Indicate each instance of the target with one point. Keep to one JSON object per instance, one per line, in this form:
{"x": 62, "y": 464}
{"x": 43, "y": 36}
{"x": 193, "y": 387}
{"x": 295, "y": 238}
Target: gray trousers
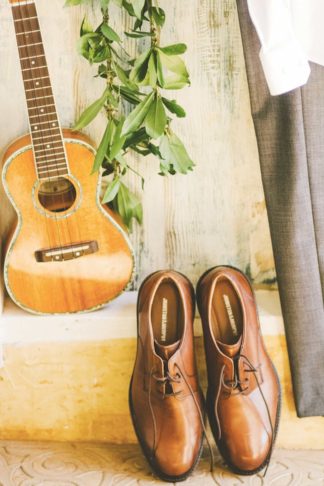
{"x": 290, "y": 136}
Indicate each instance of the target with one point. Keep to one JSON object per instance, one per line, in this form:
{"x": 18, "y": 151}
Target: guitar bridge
{"x": 66, "y": 252}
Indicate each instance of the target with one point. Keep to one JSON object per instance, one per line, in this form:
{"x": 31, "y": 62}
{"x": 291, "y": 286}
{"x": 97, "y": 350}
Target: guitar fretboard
{"x": 50, "y": 157}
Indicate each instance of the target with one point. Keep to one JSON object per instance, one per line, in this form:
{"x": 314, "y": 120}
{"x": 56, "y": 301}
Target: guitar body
{"x": 67, "y": 253}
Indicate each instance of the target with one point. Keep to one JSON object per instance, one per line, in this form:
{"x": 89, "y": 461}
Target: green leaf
{"x": 138, "y": 35}
{"x": 136, "y": 138}
{"x": 138, "y": 24}
{"x": 112, "y": 190}
{"x": 93, "y": 46}
{"x": 175, "y": 82}
{"x": 174, "y": 154}
{"x": 110, "y": 34}
{"x": 136, "y": 117}
{"x": 129, "y": 8}
{"x": 128, "y": 94}
{"x": 129, "y": 206}
{"x": 172, "y": 71}
{"x": 140, "y": 68}
{"x": 138, "y": 7}
{"x": 122, "y": 161}
{"x": 91, "y": 112}
{"x": 152, "y": 70}
{"x": 155, "y": 120}
{"x": 119, "y": 3}
{"x": 103, "y": 146}
{"x": 86, "y": 28}
{"x": 158, "y": 15}
{"x": 118, "y": 141}
{"x": 159, "y": 70}
{"x": 173, "y": 107}
{"x": 84, "y": 44}
{"x": 123, "y": 77}
{"x": 174, "y": 49}
{"x": 174, "y": 64}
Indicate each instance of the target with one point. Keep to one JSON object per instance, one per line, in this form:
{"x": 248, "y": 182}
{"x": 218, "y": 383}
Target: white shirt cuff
{"x": 285, "y": 67}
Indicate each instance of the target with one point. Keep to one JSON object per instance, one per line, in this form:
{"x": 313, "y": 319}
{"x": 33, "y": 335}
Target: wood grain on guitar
{"x": 67, "y": 253}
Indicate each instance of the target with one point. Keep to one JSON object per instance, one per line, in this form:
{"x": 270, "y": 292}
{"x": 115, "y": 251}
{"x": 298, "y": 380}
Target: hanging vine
{"x": 144, "y": 123}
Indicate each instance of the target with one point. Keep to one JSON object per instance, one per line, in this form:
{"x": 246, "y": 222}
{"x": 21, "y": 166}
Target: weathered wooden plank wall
{"x": 214, "y": 215}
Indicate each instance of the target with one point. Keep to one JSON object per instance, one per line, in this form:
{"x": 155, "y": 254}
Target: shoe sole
{"x": 145, "y": 450}
{"x": 211, "y": 418}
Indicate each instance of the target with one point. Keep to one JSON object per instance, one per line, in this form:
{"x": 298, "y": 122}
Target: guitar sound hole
{"x": 57, "y": 195}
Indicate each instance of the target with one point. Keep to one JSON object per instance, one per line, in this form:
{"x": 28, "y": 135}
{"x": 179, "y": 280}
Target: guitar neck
{"x": 46, "y": 134}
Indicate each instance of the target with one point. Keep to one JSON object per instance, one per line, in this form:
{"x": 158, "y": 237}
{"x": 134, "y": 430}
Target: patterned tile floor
{"x": 55, "y": 464}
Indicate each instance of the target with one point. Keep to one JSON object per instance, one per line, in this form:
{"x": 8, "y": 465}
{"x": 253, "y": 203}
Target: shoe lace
{"x": 240, "y": 386}
{"x": 177, "y": 378}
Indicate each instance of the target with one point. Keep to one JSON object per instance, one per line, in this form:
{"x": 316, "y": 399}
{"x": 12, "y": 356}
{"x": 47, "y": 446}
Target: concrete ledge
{"x": 66, "y": 378}
{"x": 115, "y": 321}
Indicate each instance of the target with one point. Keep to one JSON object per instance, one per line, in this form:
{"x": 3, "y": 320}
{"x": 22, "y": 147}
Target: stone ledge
{"x": 115, "y": 321}
{"x": 66, "y": 378}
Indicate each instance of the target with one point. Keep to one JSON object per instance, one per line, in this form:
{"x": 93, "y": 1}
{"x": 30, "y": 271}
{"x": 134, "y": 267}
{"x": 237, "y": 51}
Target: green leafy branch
{"x": 139, "y": 117}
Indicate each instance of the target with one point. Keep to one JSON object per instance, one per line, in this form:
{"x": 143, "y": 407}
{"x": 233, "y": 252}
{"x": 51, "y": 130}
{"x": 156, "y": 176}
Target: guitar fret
{"x": 51, "y": 165}
{"x": 28, "y": 57}
{"x": 41, "y": 107}
{"x": 28, "y": 32}
{"x": 28, "y": 40}
{"x": 39, "y": 98}
{"x": 22, "y": 19}
{"x": 36, "y": 67}
{"x": 29, "y": 45}
{"x": 43, "y": 114}
{"x": 40, "y": 87}
{"x": 54, "y": 123}
{"x": 49, "y": 148}
{"x": 48, "y": 152}
{"x": 50, "y": 159}
{"x": 48, "y": 136}
{"x": 51, "y": 170}
{"x": 43, "y": 83}
{"x": 54, "y": 150}
{"x": 51, "y": 129}
{"x": 31, "y": 50}
{"x": 35, "y": 79}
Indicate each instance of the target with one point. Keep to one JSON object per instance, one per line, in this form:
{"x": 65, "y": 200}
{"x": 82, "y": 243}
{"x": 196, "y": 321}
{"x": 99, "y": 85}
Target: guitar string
{"x": 64, "y": 221}
{"x": 15, "y": 18}
{"x": 52, "y": 151}
{"x": 25, "y": 28}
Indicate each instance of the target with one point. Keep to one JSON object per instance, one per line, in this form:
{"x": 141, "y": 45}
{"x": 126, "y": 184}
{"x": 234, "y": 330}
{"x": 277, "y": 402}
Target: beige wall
{"x": 215, "y": 215}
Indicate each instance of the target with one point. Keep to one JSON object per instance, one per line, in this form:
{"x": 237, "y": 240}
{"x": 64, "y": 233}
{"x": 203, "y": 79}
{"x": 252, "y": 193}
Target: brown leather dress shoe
{"x": 165, "y": 400}
{"x": 243, "y": 398}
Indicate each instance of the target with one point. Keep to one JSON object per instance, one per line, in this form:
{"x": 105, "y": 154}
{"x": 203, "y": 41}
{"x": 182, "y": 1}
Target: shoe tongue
{"x": 230, "y": 349}
{"x": 165, "y": 352}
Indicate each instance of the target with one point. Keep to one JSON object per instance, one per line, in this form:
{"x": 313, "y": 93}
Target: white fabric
{"x": 291, "y": 35}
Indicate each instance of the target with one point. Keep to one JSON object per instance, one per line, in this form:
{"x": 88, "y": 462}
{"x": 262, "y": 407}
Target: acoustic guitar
{"x": 66, "y": 253}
